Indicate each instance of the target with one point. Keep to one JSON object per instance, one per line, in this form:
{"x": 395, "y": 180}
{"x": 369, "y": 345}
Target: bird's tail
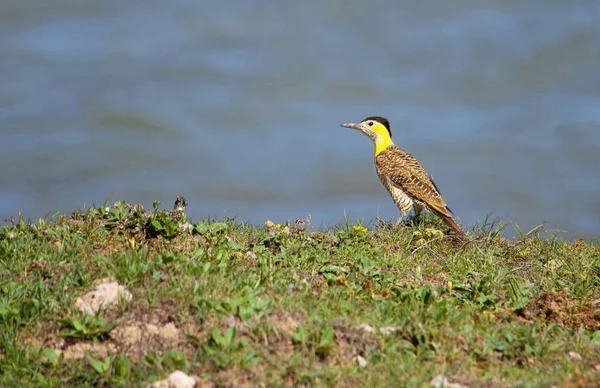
{"x": 448, "y": 220}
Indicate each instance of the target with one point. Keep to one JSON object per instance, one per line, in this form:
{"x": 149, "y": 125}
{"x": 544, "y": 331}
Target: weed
{"x": 85, "y": 327}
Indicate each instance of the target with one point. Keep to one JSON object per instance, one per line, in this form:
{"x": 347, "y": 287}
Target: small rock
{"x": 250, "y": 256}
{"x": 361, "y": 361}
{"x": 177, "y": 379}
{"x": 441, "y": 381}
{"x": 574, "y": 355}
{"x": 366, "y": 328}
{"x": 101, "y": 297}
{"x": 387, "y": 330}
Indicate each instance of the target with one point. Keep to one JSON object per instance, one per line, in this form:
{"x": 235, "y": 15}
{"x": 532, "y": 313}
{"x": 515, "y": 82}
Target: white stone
{"x": 361, "y": 361}
{"x": 574, "y": 355}
{"x": 366, "y": 328}
{"x": 101, "y": 297}
{"x": 441, "y": 381}
{"x": 177, "y": 379}
{"x": 387, "y": 330}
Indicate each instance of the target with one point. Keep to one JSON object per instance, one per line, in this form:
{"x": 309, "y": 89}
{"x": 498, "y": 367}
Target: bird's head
{"x": 377, "y": 129}
{"x": 374, "y": 127}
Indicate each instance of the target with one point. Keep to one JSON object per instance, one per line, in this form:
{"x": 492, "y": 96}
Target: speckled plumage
{"x": 409, "y": 185}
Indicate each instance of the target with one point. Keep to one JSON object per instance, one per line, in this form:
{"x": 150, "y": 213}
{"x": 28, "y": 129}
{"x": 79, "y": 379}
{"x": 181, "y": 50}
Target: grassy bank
{"x": 286, "y": 304}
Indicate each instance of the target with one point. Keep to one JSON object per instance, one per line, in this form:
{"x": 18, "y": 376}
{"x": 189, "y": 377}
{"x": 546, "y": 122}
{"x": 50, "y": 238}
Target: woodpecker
{"x": 410, "y": 186}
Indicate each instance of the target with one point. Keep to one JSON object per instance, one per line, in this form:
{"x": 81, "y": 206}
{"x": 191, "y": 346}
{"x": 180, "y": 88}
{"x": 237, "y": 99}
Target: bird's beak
{"x": 351, "y": 125}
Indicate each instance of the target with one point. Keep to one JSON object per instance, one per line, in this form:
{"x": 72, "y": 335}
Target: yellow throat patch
{"x": 383, "y": 140}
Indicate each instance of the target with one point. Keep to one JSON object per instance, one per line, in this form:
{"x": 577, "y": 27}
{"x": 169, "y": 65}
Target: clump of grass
{"x": 86, "y": 327}
{"x": 283, "y": 303}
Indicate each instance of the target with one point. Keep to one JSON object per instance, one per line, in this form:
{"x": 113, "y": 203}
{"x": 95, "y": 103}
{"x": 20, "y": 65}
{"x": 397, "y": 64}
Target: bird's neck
{"x": 382, "y": 143}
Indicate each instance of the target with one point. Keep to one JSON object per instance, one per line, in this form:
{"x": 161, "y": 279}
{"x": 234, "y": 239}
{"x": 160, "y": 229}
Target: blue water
{"x": 237, "y": 106}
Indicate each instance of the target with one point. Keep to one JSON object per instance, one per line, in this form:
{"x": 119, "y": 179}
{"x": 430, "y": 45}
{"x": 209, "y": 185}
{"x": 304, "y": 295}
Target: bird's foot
{"x": 404, "y": 222}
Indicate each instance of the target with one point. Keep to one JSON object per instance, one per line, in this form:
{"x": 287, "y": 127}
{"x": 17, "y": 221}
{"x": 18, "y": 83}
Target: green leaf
{"x": 77, "y": 325}
{"x": 245, "y": 312}
{"x": 334, "y": 269}
{"x": 520, "y": 304}
{"x": 152, "y": 360}
{"x": 327, "y": 336}
{"x": 50, "y": 355}
{"x": 596, "y": 337}
{"x": 326, "y": 343}
{"x": 218, "y": 227}
{"x": 176, "y": 359}
{"x": 122, "y": 366}
{"x": 230, "y": 336}
{"x": 201, "y": 227}
{"x": 168, "y": 258}
{"x": 330, "y": 277}
{"x": 218, "y": 339}
{"x": 156, "y": 225}
{"x": 194, "y": 339}
{"x": 233, "y": 245}
{"x": 100, "y": 366}
{"x": 220, "y": 254}
{"x": 300, "y": 336}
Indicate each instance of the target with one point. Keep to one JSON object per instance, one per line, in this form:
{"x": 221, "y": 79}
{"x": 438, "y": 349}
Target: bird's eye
{"x": 370, "y": 123}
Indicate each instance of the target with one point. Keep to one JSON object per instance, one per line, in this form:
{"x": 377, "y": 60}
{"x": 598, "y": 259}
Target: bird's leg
{"x": 418, "y": 208}
{"x": 398, "y": 221}
{"x": 402, "y": 219}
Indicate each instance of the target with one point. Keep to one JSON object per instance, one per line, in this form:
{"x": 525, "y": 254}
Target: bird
{"x": 409, "y": 185}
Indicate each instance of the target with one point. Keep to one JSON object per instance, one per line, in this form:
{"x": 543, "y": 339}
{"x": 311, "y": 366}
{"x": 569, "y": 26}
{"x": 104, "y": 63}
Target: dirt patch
{"x": 317, "y": 283}
{"x": 581, "y": 382}
{"x": 287, "y": 321}
{"x": 134, "y": 338}
{"x": 564, "y": 310}
{"x": 136, "y": 333}
{"x": 353, "y": 343}
{"x": 82, "y": 349}
{"x": 233, "y": 377}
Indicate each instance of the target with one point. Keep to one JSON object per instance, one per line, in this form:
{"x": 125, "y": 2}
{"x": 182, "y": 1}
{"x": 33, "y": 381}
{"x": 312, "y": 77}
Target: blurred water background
{"x": 236, "y": 105}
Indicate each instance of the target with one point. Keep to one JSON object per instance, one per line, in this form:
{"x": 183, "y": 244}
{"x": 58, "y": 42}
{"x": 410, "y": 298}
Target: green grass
{"x": 290, "y": 305}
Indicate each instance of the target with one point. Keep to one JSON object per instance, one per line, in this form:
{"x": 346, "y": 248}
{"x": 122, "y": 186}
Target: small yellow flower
{"x": 286, "y": 230}
{"x": 278, "y": 226}
{"x": 269, "y": 224}
{"x": 360, "y": 229}
{"x": 420, "y": 242}
{"x": 449, "y": 284}
{"x": 431, "y": 233}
